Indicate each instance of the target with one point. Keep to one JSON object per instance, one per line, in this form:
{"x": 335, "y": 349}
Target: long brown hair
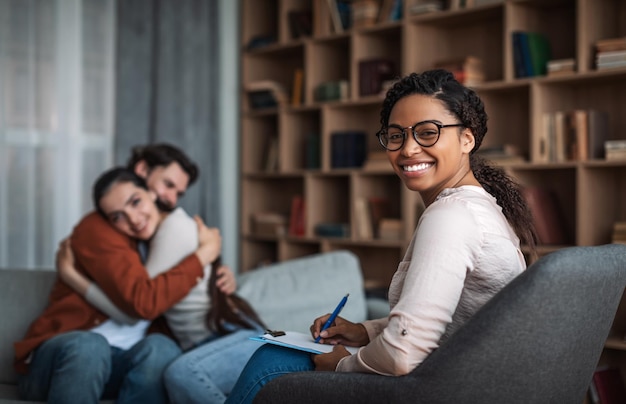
{"x": 231, "y": 309}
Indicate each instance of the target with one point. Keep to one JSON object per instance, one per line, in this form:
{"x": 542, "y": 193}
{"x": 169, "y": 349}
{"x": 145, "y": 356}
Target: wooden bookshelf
{"x": 591, "y": 193}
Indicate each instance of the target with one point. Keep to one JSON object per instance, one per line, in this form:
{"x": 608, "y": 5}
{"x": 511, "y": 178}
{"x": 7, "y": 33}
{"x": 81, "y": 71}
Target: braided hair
{"x": 465, "y": 104}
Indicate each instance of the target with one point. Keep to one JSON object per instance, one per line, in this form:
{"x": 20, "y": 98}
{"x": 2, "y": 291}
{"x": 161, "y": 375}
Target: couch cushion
{"x": 289, "y": 295}
{"x": 24, "y": 296}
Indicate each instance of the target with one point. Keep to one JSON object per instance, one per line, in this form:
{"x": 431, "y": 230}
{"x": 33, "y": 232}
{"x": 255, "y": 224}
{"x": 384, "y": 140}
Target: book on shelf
{"x": 269, "y": 224}
{"x": 312, "y": 151}
{"x": 297, "y": 87}
{"x": 340, "y": 14}
{"x": 373, "y": 73}
{"x": 425, "y": 6}
{"x": 610, "y": 44}
{"x": 503, "y": 153}
{"x": 531, "y": 53}
{"x": 364, "y": 12}
{"x": 266, "y": 94}
{"x": 379, "y": 209}
{"x": 467, "y": 70}
{"x": 390, "y": 10}
{"x": 571, "y": 135}
{"x": 271, "y": 155}
{"x": 363, "y": 224}
{"x": 390, "y": 229}
{"x": 300, "y": 23}
{"x": 607, "y": 385}
{"x": 615, "y": 149}
{"x": 547, "y": 215}
{"x": 297, "y": 216}
{"x": 619, "y": 233}
{"x": 332, "y": 91}
{"x": 561, "y": 67}
{"x": 348, "y": 149}
{"x": 332, "y": 229}
{"x": 610, "y": 59}
{"x": 541, "y": 143}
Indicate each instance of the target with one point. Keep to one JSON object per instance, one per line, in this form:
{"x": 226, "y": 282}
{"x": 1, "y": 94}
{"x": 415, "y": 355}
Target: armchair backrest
{"x": 537, "y": 341}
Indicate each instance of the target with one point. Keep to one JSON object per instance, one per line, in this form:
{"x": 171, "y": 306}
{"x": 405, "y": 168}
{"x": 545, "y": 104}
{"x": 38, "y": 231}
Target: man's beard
{"x": 164, "y": 207}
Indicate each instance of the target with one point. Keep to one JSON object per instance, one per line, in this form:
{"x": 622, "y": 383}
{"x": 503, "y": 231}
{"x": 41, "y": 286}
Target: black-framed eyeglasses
{"x": 425, "y": 133}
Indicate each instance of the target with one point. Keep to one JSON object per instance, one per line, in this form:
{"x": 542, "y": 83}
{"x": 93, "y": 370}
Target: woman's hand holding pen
{"x": 342, "y": 332}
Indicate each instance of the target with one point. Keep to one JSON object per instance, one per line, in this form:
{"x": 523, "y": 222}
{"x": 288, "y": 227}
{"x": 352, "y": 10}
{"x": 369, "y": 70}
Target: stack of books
{"x": 611, "y": 53}
{"x": 560, "y": 67}
{"x": 615, "y": 149}
{"x": 619, "y": 233}
{"x": 468, "y": 71}
{"x": 502, "y": 154}
{"x": 425, "y": 6}
{"x": 266, "y": 94}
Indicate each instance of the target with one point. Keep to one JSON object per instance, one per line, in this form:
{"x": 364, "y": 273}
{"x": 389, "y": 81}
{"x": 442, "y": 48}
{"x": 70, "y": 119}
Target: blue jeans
{"x": 268, "y": 363}
{"x": 81, "y": 367}
{"x": 207, "y": 373}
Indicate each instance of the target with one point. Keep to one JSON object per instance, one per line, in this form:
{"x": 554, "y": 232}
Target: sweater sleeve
{"x": 431, "y": 282}
{"x": 98, "y": 299}
{"x": 110, "y": 259}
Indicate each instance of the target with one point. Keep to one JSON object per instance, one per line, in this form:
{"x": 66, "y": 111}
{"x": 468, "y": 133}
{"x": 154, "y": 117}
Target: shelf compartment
{"x": 349, "y": 117}
{"x": 602, "y": 199}
{"x": 276, "y": 63}
{"x": 561, "y": 180}
{"x": 257, "y": 253}
{"x": 385, "y": 44}
{"x": 327, "y": 200}
{"x": 301, "y": 140}
{"x": 556, "y": 20}
{"x": 259, "y": 132}
{"x": 268, "y": 195}
{"x": 338, "y": 51}
{"x": 508, "y": 110}
{"x": 453, "y": 35}
{"x": 382, "y": 196}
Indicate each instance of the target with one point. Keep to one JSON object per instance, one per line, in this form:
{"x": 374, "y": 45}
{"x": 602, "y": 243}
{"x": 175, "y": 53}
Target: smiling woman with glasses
{"x": 466, "y": 246}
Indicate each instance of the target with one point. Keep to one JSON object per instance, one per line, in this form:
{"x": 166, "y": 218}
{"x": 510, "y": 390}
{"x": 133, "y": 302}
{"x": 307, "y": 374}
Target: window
{"x": 56, "y": 120}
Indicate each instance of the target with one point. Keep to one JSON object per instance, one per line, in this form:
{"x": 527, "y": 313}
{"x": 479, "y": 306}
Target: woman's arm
{"x": 84, "y": 287}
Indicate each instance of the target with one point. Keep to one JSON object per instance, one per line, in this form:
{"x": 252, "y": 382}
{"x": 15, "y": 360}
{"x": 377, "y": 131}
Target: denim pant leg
{"x": 208, "y": 372}
{"x": 137, "y": 373}
{"x": 267, "y": 363}
{"x": 72, "y": 367}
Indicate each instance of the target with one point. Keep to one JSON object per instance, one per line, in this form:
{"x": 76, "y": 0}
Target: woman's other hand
{"x": 330, "y": 360}
{"x": 341, "y": 332}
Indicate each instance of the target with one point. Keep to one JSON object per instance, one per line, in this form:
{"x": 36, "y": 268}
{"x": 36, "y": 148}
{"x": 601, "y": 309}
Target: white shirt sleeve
{"x": 430, "y": 281}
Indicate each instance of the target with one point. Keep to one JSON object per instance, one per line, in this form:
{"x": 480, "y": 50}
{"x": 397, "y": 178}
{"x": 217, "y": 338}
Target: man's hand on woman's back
{"x": 209, "y": 242}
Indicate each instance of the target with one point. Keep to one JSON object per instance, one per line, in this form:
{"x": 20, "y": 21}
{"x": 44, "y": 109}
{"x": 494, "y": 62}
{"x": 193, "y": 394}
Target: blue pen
{"x": 333, "y": 316}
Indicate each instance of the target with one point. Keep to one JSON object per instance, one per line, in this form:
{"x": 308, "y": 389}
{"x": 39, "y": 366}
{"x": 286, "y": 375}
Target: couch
{"x": 287, "y": 296}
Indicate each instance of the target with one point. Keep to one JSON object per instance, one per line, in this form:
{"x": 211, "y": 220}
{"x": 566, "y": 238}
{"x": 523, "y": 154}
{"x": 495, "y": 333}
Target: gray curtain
{"x": 167, "y": 76}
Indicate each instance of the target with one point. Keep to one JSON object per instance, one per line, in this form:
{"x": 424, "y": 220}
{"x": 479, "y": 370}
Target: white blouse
{"x": 463, "y": 252}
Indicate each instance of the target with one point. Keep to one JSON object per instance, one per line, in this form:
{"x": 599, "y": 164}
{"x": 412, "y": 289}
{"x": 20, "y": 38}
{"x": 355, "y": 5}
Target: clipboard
{"x": 299, "y": 341}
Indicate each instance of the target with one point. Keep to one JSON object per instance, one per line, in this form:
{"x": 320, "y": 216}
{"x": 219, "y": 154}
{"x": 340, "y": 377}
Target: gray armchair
{"x": 537, "y": 341}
